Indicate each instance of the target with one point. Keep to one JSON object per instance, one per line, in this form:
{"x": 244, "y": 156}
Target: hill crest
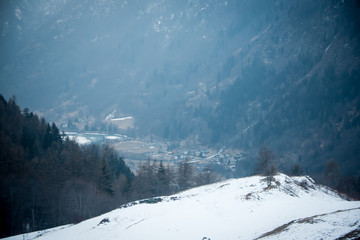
{"x": 245, "y": 208}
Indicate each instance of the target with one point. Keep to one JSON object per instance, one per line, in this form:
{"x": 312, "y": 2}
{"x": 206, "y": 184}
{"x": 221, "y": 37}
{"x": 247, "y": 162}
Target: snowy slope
{"x": 291, "y": 208}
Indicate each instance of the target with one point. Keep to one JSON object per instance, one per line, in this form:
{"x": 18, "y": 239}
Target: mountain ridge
{"x": 238, "y": 74}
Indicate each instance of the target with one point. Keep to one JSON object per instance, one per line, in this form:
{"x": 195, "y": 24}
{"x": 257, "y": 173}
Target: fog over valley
{"x": 135, "y": 85}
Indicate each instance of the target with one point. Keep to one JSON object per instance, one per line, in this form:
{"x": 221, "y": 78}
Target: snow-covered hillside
{"x": 247, "y": 208}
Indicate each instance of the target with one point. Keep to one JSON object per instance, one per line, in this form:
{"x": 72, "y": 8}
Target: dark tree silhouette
{"x": 185, "y": 175}
{"x": 332, "y": 173}
{"x": 46, "y": 181}
{"x": 266, "y": 164}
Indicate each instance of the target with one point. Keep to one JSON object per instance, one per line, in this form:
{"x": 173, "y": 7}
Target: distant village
{"x": 136, "y": 150}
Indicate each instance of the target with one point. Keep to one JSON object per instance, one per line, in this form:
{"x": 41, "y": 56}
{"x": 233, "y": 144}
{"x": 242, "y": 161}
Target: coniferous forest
{"x": 48, "y": 180}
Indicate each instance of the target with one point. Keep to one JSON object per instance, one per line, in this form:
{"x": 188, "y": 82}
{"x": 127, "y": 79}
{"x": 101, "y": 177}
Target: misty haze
{"x": 148, "y": 105}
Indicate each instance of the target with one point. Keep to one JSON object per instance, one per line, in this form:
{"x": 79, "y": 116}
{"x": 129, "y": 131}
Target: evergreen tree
{"x": 163, "y": 180}
{"x": 45, "y": 181}
{"x": 48, "y": 137}
{"x": 105, "y": 181}
{"x": 56, "y": 136}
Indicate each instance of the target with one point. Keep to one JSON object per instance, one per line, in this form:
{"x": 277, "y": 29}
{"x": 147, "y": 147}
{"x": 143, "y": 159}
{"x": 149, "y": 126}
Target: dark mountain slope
{"x": 297, "y": 84}
{"x": 233, "y": 73}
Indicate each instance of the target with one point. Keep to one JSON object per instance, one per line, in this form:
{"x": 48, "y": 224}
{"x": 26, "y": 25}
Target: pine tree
{"x": 163, "y": 180}
{"x": 56, "y": 136}
{"x": 105, "y": 181}
{"x": 45, "y": 181}
{"x": 48, "y": 137}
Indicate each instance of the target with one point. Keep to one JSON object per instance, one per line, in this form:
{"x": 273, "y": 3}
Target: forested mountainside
{"x": 295, "y": 86}
{"x": 47, "y": 180}
{"x": 233, "y": 74}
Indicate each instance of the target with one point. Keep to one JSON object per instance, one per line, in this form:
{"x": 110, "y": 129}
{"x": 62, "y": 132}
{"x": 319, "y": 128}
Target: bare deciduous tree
{"x": 266, "y": 164}
{"x": 185, "y": 175}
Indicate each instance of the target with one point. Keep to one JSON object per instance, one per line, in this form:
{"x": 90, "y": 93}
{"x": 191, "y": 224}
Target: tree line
{"x": 48, "y": 180}
{"x": 153, "y": 178}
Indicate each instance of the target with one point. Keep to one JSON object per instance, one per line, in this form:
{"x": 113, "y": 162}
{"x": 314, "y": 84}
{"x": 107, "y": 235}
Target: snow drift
{"x": 247, "y": 208}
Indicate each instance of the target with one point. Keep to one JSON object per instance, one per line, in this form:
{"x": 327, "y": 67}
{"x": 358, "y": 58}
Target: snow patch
{"x": 121, "y": 119}
{"x": 112, "y": 137}
{"x": 80, "y": 139}
{"x": 18, "y": 14}
{"x": 244, "y": 208}
{"x": 111, "y": 115}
